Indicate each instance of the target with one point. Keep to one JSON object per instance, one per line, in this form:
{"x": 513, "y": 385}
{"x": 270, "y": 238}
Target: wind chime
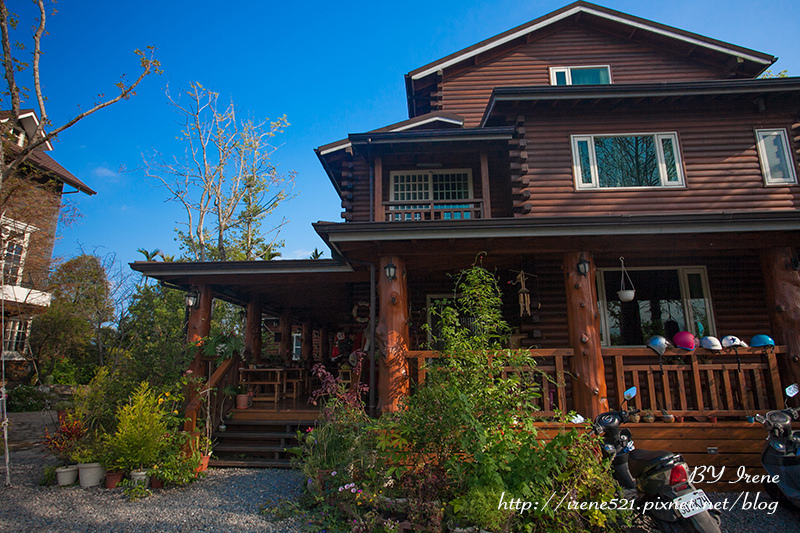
{"x": 523, "y": 294}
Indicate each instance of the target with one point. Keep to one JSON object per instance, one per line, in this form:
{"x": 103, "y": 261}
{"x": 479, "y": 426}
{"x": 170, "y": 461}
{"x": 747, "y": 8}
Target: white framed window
{"x": 667, "y": 300}
{"x": 15, "y": 336}
{"x": 777, "y": 164}
{"x": 297, "y": 346}
{"x": 15, "y": 239}
{"x": 418, "y": 189}
{"x": 585, "y": 75}
{"x": 630, "y": 160}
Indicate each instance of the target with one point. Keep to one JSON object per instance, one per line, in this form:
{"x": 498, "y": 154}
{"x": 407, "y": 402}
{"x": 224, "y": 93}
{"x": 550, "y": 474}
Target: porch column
{"x": 392, "y": 334}
{"x": 252, "y": 329}
{"x": 377, "y": 177}
{"x": 286, "y": 335}
{"x": 782, "y": 285}
{"x": 199, "y": 326}
{"x": 324, "y": 345}
{"x": 583, "y": 322}
{"x": 307, "y": 346}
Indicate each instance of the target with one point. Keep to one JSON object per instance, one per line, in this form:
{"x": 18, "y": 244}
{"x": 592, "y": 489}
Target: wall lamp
{"x": 583, "y": 266}
{"x": 193, "y": 299}
{"x": 391, "y": 271}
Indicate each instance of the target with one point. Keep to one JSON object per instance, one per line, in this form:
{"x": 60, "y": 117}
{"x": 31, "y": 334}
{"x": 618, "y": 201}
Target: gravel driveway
{"x": 227, "y": 500}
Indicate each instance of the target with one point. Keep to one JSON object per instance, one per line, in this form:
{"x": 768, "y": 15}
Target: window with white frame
{"x": 15, "y": 337}
{"x": 297, "y": 346}
{"x": 420, "y": 188}
{"x": 15, "y": 238}
{"x": 590, "y": 75}
{"x": 777, "y": 164}
{"x": 631, "y": 160}
{"x": 667, "y": 300}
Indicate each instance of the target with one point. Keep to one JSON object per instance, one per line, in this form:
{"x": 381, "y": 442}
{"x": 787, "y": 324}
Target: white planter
{"x": 140, "y": 477}
{"x": 91, "y": 474}
{"x": 67, "y": 475}
{"x": 626, "y": 295}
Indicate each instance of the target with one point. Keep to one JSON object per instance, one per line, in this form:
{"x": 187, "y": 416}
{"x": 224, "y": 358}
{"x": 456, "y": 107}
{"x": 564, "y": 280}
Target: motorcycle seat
{"x": 639, "y": 460}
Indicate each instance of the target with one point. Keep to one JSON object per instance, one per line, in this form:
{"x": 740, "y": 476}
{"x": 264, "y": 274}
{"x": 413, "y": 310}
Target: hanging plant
{"x": 625, "y": 293}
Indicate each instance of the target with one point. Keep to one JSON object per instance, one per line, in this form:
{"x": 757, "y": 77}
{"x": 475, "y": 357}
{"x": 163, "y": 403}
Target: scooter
{"x": 658, "y": 480}
{"x": 780, "y": 457}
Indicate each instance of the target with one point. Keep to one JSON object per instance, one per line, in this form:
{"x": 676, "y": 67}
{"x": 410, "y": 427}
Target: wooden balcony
{"x": 439, "y": 210}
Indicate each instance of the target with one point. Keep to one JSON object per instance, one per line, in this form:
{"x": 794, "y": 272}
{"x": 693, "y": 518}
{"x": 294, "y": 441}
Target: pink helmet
{"x": 684, "y": 339}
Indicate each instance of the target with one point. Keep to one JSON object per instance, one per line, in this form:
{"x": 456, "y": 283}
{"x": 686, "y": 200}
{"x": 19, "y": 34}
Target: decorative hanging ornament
{"x": 625, "y": 294}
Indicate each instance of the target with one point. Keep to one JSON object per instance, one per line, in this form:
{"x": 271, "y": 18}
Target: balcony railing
{"x": 697, "y": 384}
{"x": 438, "y": 210}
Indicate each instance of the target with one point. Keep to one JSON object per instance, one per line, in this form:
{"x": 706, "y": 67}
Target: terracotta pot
{"x": 113, "y": 479}
{"x": 203, "y": 466}
{"x": 243, "y": 401}
{"x": 156, "y": 483}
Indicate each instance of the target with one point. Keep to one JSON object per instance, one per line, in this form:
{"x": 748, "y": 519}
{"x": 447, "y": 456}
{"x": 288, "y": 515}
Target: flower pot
{"x": 156, "y": 483}
{"x": 113, "y": 479}
{"x": 91, "y": 474}
{"x": 633, "y": 418}
{"x": 140, "y": 477}
{"x": 243, "y": 401}
{"x": 203, "y": 466}
{"x": 626, "y": 295}
{"x": 648, "y": 418}
{"x": 67, "y": 475}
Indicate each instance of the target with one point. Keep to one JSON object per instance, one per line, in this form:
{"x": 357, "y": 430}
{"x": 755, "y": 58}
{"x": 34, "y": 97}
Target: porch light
{"x": 192, "y": 299}
{"x": 583, "y": 266}
{"x": 391, "y": 271}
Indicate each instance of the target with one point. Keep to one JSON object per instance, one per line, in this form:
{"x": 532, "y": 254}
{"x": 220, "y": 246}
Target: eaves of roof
{"x": 49, "y": 165}
{"x": 228, "y": 268}
{"x": 576, "y": 93}
{"x": 461, "y": 135}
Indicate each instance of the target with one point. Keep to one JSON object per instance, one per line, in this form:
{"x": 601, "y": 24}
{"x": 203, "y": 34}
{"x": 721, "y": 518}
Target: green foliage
{"x": 48, "y": 476}
{"x": 96, "y": 403}
{"x": 27, "y": 398}
{"x": 141, "y": 426}
{"x": 173, "y": 466}
{"x": 67, "y": 437}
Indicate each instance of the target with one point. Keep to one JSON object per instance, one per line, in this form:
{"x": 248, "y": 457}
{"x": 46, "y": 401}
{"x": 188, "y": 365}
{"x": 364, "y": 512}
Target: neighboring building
{"x": 30, "y": 201}
{"x": 556, "y": 149}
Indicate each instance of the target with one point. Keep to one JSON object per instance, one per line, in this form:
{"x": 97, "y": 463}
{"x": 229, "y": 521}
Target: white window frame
{"x": 14, "y": 326}
{"x": 683, "y": 278}
{"x": 23, "y": 231}
{"x": 659, "y": 137}
{"x": 568, "y": 72}
{"x": 297, "y": 346}
{"x": 766, "y": 171}
{"x": 429, "y": 174}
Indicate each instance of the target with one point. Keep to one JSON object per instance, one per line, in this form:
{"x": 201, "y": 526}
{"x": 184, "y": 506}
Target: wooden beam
{"x": 392, "y": 335}
{"x": 487, "y": 196}
{"x": 782, "y": 287}
{"x": 307, "y": 343}
{"x": 377, "y": 177}
{"x": 252, "y": 330}
{"x": 583, "y": 322}
{"x": 199, "y": 324}
{"x": 286, "y": 335}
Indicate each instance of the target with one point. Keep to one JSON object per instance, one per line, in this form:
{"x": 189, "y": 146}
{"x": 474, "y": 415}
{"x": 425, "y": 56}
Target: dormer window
{"x": 592, "y": 75}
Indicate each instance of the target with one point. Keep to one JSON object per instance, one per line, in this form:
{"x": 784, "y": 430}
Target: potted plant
{"x": 648, "y": 416}
{"x": 240, "y": 393}
{"x": 63, "y": 443}
{"x": 90, "y": 471}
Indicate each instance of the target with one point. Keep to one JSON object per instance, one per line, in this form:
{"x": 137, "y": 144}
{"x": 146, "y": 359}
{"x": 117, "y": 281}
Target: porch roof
{"x": 316, "y": 290}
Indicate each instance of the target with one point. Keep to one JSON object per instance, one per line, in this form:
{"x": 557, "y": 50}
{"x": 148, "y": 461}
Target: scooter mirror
{"x": 631, "y": 393}
{"x": 792, "y": 390}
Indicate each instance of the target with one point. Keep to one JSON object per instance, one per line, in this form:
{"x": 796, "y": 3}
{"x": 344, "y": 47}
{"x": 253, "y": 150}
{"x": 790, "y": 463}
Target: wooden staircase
{"x": 259, "y": 437}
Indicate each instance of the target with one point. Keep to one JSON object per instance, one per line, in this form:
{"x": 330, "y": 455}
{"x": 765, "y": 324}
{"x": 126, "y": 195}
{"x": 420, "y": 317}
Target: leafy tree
{"x": 226, "y": 182}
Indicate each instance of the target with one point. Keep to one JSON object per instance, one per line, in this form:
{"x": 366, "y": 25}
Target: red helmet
{"x": 684, "y": 339}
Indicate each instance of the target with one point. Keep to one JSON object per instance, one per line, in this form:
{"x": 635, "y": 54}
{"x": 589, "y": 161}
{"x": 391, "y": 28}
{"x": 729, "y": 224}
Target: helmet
{"x": 729, "y": 341}
{"x": 710, "y": 343}
{"x": 761, "y": 340}
{"x": 684, "y": 339}
{"x": 658, "y": 344}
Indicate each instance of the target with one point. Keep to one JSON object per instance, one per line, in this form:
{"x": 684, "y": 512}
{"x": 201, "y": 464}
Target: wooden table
{"x": 267, "y": 383}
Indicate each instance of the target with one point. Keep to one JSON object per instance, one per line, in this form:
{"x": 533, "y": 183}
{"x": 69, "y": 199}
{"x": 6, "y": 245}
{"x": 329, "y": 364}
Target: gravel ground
{"x": 229, "y": 500}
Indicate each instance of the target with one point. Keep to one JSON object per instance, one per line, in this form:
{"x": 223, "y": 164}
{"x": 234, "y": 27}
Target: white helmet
{"x": 730, "y": 341}
{"x": 710, "y": 343}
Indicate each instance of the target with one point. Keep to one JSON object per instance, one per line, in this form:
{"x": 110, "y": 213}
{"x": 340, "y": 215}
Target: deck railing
{"x": 691, "y": 384}
{"x": 225, "y": 374}
{"x": 438, "y": 210}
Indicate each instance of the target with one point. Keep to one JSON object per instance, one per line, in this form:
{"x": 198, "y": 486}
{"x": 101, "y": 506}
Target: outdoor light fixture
{"x": 391, "y": 271}
{"x": 583, "y": 266}
{"x": 192, "y": 299}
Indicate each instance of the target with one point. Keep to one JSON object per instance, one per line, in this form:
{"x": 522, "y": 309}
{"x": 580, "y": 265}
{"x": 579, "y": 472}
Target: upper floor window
{"x": 442, "y": 190}
{"x": 626, "y": 161}
{"x": 15, "y": 237}
{"x": 15, "y": 338}
{"x": 594, "y": 75}
{"x": 777, "y": 164}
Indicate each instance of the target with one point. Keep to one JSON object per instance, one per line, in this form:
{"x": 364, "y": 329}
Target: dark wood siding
{"x": 718, "y": 149}
{"x": 467, "y": 92}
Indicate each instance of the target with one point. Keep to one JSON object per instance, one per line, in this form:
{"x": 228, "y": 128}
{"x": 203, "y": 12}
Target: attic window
{"x": 776, "y": 160}
{"x": 594, "y": 75}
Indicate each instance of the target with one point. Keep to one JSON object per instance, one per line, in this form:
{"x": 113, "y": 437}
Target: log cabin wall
{"x": 466, "y": 91}
{"x": 717, "y": 148}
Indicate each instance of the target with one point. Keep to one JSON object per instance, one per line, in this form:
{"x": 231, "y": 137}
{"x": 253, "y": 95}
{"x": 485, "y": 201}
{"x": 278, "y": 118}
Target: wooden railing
{"x": 439, "y": 210}
{"x": 225, "y": 374}
{"x": 695, "y": 384}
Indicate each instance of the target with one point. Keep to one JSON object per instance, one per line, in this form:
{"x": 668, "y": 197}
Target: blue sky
{"x": 332, "y": 67}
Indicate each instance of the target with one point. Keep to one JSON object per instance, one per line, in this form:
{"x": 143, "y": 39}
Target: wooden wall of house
{"x": 467, "y": 91}
{"x": 717, "y": 147}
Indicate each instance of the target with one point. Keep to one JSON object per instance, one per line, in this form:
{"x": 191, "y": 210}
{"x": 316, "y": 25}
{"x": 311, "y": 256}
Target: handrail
{"x": 433, "y": 210}
{"x": 225, "y": 374}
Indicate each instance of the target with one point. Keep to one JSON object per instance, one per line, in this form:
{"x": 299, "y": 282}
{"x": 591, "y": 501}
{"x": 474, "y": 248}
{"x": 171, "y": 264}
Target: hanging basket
{"x": 625, "y": 293}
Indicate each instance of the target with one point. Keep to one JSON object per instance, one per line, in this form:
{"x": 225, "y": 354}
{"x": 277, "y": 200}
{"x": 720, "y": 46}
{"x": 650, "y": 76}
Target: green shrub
{"x": 27, "y": 398}
{"x": 141, "y": 426}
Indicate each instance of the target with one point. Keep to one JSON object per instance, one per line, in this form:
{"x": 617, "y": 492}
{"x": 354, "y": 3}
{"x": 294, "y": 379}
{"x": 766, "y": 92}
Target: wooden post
{"x": 307, "y": 344}
{"x": 377, "y": 175}
{"x": 782, "y": 287}
{"x": 324, "y": 345}
{"x": 199, "y": 326}
{"x": 392, "y": 333}
{"x": 487, "y": 196}
{"x": 583, "y": 319}
{"x": 252, "y": 329}
{"x": 286, "y": 335}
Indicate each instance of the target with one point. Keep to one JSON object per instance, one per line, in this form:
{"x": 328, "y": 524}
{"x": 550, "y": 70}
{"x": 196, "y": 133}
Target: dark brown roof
{"x": 41, "y": 160}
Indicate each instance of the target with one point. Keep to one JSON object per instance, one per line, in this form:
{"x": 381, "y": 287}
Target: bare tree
{"x": 16, "y": 153}
{"x": 226, "y": 181}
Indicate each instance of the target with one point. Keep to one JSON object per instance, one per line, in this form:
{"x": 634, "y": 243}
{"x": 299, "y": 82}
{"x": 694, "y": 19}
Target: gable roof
{"x": 747, "y": 63}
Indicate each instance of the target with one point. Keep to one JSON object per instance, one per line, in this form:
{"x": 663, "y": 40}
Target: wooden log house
{"x": 566, "y": 148}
